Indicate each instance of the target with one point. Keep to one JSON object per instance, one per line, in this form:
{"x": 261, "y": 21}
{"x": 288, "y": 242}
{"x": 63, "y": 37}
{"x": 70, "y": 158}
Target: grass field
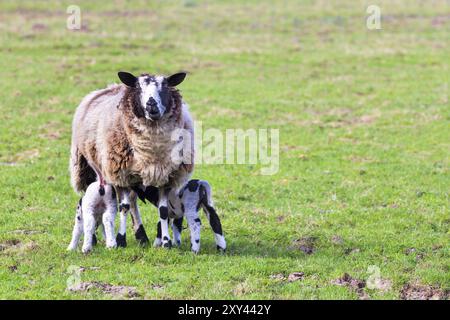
{"x": 363, "y": 115}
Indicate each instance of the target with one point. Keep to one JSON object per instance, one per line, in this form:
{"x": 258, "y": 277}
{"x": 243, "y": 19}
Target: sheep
{"x": 98, "y": 207}
{"x": 187, "y": 201}
{"x": 123, "y": 135}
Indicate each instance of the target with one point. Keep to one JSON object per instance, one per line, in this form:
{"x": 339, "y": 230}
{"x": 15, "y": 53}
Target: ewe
{"x": 124, "y": 136}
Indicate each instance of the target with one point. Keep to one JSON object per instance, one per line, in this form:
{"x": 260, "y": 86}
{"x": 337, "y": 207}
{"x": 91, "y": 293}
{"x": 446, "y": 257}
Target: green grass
{"x": 364, "y": 143}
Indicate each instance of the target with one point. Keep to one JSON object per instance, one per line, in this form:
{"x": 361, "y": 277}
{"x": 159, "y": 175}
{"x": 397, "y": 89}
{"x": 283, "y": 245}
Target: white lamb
{"x": 97, "y": 207}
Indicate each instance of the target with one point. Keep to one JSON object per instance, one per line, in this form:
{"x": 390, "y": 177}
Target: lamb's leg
{"x": 124, "y": 207}
{"x": 194, "y": 224}
{"x": 158, "y": 241}
{"x": 164, "y": 218}
{"x": 177, "y": 228}
{"x": 138, "y": 227}
{"x": 77, "y": 228}
{"x": 121, "y": 238}
{"x": 108, "y": 223}
{"x": 103, "y": 231}
{"x": 88, "y": 229}
{"x": 211, "y": 214}
{"x": 94, "y": 236}
{"x": 216, "y": 226}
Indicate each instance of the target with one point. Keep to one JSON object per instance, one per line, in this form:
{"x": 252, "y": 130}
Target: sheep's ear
{"x": 176, "y": 79}
{"x": 127, "y": 78}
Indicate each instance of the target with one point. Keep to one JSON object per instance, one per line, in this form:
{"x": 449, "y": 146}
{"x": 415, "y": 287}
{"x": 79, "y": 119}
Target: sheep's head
{"x": 155, "y": 93}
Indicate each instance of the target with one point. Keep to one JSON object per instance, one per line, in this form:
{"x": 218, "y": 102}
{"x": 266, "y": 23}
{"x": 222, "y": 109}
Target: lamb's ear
{"x": 127, "y": 79}
{"x": 176, "y": 79}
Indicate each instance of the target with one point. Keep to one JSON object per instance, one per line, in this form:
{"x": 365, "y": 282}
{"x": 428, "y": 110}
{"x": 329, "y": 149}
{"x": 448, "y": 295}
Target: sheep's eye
{"x": 164, "y": 94}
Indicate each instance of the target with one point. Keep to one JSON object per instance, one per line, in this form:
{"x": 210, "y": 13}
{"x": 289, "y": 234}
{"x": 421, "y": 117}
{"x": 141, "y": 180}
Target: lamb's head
{"x": 154, "y": 93}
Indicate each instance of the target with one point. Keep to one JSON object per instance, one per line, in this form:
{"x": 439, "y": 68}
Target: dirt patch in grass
{"x": 51, "y": 131}
{"x": 24, "y": 156}
{"x": 242, "y": 289}
{"x": 380, "y": 284}
{"x": 83, "y": 269}
{"x": 12, "y": 268}
{"x": 418, "y": 291}
{"x": 356, "y": 285}
{"x": 337, "y": 240}
{"x": 26, "y": 231}
{"x": 8, "y": 244}
{"x": 106, "y": 288}
{"x": 39, "y": 27}
{"x": 294, "y": 276}
{"x": 415, "y": 252}
{"x": 439, "y": 21}
{"x": 157, "y": 287}
{"x": 17, "y": 246}
{"x": 305, "y": 244}
{"x": 349, "y": 251}
{"x": 278, "y": 276}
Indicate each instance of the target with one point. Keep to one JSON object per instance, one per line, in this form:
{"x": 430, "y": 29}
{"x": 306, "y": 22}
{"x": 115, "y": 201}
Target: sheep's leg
{"x": 158, "y": 241}
{"x": 216, "y": 226}
{"x": 77, "y": 229}
{"x": 164, "y": 218}
{"x": 121, "y": 238}
{"x": 211, "y": 214}
{"x": 139, "y": 231}
{"x": 98, "y": 224}
{"x": 194, "y": 224}
{"x": 88, "y": 229}
{"x": 177, "y": 228}
{"x": 124, "y": 207}
{"x": 108, "y": 223}
{"x": 103, "y": 231}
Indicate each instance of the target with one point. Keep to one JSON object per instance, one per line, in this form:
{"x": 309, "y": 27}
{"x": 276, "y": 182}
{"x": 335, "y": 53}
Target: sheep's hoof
{"x": 157, "y": 243}
{"x": 86, "y": 250}
{"x": 221, "y": 250}
{"x": 111, "y": 244}
{"x": 195, "y": 248}
{"x": 167, "y": 244}
{"x": 121, "y": 240}
{"x": 141, "y": 236}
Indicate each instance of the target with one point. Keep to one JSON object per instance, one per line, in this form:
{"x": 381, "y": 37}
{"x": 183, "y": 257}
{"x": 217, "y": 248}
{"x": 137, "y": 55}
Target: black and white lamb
{"x": 192, "y": 197}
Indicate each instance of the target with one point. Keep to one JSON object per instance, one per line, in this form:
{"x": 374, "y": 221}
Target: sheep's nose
{"x": 152, "y": 106}
{"x": 152, "y": 109}
{"x": 152, "y": 103}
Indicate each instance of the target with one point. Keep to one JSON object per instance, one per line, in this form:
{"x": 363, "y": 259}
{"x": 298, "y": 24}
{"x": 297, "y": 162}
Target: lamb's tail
{"x": 205, "y": 194}
{"x": 81, "y": 174}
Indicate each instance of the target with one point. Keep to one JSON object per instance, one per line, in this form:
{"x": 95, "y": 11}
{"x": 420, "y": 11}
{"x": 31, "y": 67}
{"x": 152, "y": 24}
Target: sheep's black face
{"x": 155, "y": 94}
